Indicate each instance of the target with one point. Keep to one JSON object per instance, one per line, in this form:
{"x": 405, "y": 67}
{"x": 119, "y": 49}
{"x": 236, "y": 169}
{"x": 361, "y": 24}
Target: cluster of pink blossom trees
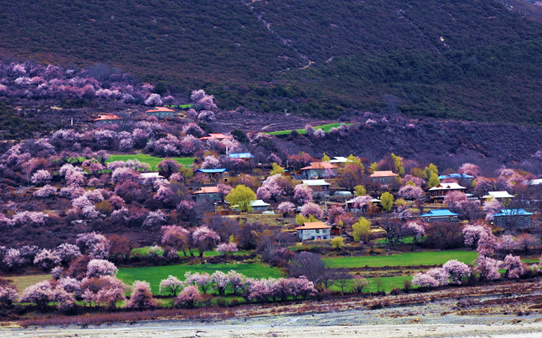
{"x": 34, "y": 81}
{"x": 237, "y": 284}
{"x": 452, "y": 272}
{"x": 99, "y": 286}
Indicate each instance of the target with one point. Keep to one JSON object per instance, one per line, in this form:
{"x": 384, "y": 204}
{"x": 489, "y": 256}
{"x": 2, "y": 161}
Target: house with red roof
{"x": 106, "y": 120}
{"x": 319, "y": 170}
{"x": 160, "y": 112}
{"x": 207, "y": 194}
{"x": 383, "y": 177}
{"x": 216, "y": 136}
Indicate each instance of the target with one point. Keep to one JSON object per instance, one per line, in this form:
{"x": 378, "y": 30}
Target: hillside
{"x": 467, "y": 59}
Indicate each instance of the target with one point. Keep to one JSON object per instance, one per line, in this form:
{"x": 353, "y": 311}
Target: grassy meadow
{"x": 324, "y": 127}
{"x": 406, "y": 259}
{"x": 150, "y": 160}
{"x": 155, "y": 274}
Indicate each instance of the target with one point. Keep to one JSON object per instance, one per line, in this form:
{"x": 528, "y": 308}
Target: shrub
{"x": 141, "y": 297}
{"x": 337, "y": 243}
{"x": 188, "y": 297}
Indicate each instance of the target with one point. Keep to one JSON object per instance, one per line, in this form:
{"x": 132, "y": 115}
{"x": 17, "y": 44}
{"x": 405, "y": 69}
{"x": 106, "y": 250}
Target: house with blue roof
{"x": 440, "y": 215}
{"x": 241, "y": 155}
{"x": 513, "y": 218}
{"x": 463, "y": 178}
{"x": 215, "y": 175}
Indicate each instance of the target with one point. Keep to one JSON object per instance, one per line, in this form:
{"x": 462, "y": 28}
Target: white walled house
{"x": 313, "y": 230}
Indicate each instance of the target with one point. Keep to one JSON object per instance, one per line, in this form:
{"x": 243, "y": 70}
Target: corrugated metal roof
{"x": 241, "y": 155}
{"x": 212, "y": 171}
{"x": 439, "y": 213}
{"x": 513, "y": 212}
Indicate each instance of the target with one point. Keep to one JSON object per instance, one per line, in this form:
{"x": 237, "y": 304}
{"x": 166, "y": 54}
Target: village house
{"x": 257, "y": 205}
{"x": 216, "y": 136}
{"x": 313, "y": 230}
{"x": 460, "y": 178}
{"x": 149, "y": 178}
{"x": 441, "y": 215}
{"x": 209, "y": 194}
{"x": 502, "y": 196}
{"x": 513, "y": 218}
{"x": 319, "y": 187}
{"x": 246, "y": 157}
{"x": 215, "y": 175}
{"x": 340, "y": 160}
{"x": 319, "y": 170}
{"x": 107, "y": 120}
{"x": 439, "y": 192}
{"x": 383, "y": 177}
{"x": 160, "y": 112}
{"x": 349, "y": 205}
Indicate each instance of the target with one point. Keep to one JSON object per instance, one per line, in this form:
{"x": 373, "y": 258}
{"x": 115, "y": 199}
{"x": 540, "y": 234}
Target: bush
{"x": 188, "y": 297}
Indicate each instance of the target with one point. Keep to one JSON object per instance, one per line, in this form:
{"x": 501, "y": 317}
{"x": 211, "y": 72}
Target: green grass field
{"x": 150, "y": 160}
{"x": 155, "y": 274}
{"x": 386, "y": 284}
{"x": 324, "y": 127}
{"x": 406, "y": 259}
{"x": 22, "y": 282}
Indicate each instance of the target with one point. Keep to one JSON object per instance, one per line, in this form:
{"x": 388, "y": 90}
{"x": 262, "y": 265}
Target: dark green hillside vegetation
{"x": 467, "y": 59}
{"x": 14, "y": 126}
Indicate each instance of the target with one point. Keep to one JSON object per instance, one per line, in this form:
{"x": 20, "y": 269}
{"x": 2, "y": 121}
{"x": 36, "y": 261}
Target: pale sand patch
{"x": 529, "y": 330}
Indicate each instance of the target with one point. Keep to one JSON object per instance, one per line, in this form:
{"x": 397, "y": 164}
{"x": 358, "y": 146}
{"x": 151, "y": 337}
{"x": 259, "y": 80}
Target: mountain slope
{"x": 468, "y": 59}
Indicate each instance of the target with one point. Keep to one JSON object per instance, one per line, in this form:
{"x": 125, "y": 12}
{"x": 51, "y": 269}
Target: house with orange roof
{"x": 160, "y": 112}
{"x": 383, "y": 176}
{"x": 207, "y": 194}
{"x": 106, "y": 120}
{"x": 216, "y": 136}
{"x": 314, "y": 230}
{"x": 319, "y": 170}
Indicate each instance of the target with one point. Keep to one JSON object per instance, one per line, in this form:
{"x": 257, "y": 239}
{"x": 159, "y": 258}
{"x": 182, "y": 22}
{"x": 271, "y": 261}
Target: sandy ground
{"x": 432, "y": 319}
{"x": 526, "y": 330}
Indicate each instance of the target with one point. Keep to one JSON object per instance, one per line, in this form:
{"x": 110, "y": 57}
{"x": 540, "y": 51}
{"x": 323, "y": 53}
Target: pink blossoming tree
{"x": 188, "y": 297}
{"x": 205, "y": 239}
{"x": 141, "y": 298}
{"x": 171, "y": 285}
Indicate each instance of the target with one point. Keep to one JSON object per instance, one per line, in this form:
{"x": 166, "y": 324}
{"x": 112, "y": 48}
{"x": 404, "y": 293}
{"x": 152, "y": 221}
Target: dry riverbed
{"x": 511, "y": 310}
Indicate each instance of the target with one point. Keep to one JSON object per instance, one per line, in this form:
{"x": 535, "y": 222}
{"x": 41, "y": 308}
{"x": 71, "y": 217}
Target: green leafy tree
{"x": 431, "y": 174}
{"x": 360, "y": 229}
{"x": 386, "y": 200}
{"x": 431, "y": 169}
{"x": 433, "y": 180}
{"x": 374, "y": 167}
{"x": 353, "y": 159}
{"x": 418, "y": 172}
{"x": 398, "y": 162}
{"x": 325, "y": 158}
{"x": 360, "y": 190}
{"x": 300, "y": 219}
{"x": 277, "y": 169}
{"x": 241, "y": 196}
{"x": 337, "y": 243}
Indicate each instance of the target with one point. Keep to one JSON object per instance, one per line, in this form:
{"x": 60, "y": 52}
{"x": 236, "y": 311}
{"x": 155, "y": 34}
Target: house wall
{"x": 306, "y": 235}
{"x": 513, "y": 221}
{"x": 207, "y": 197}
{"x": 161, "y": 114}
{"x": 383, "y": 180}
{"x": 441, "y": 219}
